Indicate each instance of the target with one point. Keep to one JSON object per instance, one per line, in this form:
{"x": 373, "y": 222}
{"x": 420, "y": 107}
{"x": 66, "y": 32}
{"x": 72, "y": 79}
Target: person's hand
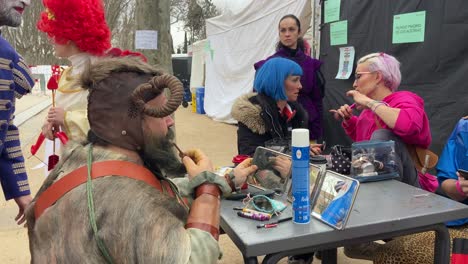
{"x": 360, "y": 99}
{"x": 463, "y": 184}
{"x": 22, "y": 202}
{"x": 345, "y": 112}
{"x": 283, "y": 165}
{"x": 56, "y": 116}
{"x": 48, "y": 130}
{"x": 196, "y": 162}
{"x": 243, "y": 170}
{"x": 315, "y": 149}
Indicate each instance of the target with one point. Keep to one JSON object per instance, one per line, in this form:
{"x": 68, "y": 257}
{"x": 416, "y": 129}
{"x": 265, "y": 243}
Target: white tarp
{"x": 236, "y": 42}
{"x": 197, "y": 75}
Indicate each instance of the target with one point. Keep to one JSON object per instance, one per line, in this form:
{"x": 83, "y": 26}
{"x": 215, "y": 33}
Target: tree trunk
{"x": 154, "y": 15}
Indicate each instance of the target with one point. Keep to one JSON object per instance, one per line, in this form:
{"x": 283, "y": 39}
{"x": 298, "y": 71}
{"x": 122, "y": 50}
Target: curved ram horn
{"x": 156, "y": 85}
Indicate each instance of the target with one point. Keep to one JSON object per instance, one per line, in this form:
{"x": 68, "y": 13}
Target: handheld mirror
{"x": 274, "y": 170}
{"x": 333, "y": 198}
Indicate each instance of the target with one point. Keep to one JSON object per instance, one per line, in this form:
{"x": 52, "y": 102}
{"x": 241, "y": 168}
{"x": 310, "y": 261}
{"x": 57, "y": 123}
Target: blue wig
{"x": 270, "y": 78}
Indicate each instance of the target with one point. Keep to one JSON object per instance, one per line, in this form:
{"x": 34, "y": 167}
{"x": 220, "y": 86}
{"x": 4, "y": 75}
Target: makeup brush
{"x": 181, "y": 153}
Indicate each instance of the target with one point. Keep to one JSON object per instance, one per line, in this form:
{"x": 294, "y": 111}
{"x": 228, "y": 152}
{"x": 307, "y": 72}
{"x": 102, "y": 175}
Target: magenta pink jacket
{"x": 412, "y": 124}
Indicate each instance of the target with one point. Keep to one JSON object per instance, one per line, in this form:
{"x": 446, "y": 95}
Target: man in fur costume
{"x": 130, "y": 212}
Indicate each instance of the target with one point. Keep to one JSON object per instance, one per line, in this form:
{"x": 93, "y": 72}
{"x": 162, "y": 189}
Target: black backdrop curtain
{"x": 436, "y": 69}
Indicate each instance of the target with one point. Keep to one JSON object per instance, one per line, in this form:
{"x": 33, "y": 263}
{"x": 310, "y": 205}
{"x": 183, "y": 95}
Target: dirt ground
{"x": 217, "y": 140}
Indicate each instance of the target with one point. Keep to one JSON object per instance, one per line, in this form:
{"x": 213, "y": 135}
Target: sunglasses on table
{"x": 264, "y": 204}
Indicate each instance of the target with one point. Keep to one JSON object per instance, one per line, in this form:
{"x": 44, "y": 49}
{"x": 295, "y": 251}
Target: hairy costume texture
{"x": 102, "y": 68}
{"x": 137, "y": 223}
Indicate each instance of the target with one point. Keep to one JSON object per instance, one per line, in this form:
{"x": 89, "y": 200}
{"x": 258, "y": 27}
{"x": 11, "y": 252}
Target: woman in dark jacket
{"x": 291, "y": 46}
{"x": 273, "y": 112}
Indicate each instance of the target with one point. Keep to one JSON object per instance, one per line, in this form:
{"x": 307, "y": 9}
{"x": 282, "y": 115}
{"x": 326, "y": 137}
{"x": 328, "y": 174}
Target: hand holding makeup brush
{"x": 345, "y": 112}
{"x": 181, "y": 153}
{"x": 196, "y": 162}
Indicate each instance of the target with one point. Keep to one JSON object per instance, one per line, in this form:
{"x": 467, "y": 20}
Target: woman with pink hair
{"x": 387, "y": 114}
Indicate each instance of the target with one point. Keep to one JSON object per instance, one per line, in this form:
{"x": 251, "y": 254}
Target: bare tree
{"x": 194, "y": 21}
{"x": 178, "y": 10}
{"x": 154, "y": 15}
{"x": 198, "y": 12}
{"x": 114, "y": 10}
{"x": 124, "y": 26}
{"x": 193, "y": 14}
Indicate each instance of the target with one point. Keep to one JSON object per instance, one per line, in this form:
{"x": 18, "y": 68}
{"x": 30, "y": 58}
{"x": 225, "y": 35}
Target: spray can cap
{"x": 300, "y": 137}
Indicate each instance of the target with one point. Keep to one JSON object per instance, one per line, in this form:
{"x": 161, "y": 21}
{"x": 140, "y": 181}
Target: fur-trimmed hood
{"x": 102, "y": 68}
{"x": 244, "y": 111}
{"x": 259, "y": 113}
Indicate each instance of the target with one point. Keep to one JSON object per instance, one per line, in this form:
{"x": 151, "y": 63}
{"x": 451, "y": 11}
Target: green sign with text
{"x": 409, "y": 28}
{"x": 339, "y": 33}
{"x": 332, "y": 10}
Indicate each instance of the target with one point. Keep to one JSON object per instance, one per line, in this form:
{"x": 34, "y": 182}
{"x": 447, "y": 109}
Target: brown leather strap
{"x": 182, "y": 200}
{"x": 230, "y": 182}
{"x": 167, "y": 187}
{"x": 205, "y": 227}
{"x": 208, "y": 188}
{"x": 98, "y": 169}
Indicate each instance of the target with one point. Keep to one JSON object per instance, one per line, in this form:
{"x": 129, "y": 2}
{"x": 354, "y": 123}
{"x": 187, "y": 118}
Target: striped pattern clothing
{"x": 15, "y": 81}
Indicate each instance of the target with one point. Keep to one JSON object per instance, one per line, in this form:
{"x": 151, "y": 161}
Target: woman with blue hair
{"x": 292, "y": 46}
{"x": 272, "y": 112}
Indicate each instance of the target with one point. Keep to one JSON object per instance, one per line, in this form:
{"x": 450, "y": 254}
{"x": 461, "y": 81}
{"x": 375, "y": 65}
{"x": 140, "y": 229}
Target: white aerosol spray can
{"x": 300, "y": 176}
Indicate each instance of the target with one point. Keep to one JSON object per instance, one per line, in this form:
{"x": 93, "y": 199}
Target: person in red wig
{"x": 79, "y": 33}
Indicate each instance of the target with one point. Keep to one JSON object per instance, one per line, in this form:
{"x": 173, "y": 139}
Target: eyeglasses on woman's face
{"x": 358, "y": 75}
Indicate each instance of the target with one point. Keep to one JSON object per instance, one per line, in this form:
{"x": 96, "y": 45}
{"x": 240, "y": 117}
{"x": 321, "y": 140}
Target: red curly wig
{"x": 80, "y": 21}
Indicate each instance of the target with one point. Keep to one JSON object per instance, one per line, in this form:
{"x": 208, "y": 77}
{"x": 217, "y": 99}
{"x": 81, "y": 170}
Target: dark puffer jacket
{"x": 259, "y": 120}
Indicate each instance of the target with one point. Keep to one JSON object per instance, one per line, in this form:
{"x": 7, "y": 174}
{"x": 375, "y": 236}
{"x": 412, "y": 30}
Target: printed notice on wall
{"x": 339, "y": 33}
{"x": 146, "y": 39}
{"x": 346, "y": 63}
{"x": 332, "y": 10}
{"x": 409, "y": 28}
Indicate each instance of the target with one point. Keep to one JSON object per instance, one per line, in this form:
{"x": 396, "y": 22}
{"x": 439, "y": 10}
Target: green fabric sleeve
{"x": 204, "y": 248}
{"x": 187, "y": 186}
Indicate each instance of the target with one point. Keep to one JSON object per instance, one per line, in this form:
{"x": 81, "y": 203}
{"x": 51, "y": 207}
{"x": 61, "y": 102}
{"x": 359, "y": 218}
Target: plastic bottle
{"x": 300, "y": 176}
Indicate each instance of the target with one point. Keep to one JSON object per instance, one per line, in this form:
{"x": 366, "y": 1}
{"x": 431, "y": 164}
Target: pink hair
{"x": 387, "y": 65}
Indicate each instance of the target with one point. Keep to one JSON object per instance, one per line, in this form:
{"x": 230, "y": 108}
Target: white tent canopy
{"x": 235, "y": 42}
{"x": 197, "y": 76}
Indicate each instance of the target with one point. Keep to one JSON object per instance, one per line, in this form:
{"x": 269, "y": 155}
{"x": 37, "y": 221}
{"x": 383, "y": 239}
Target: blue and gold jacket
{"x": 15, "y": 81}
